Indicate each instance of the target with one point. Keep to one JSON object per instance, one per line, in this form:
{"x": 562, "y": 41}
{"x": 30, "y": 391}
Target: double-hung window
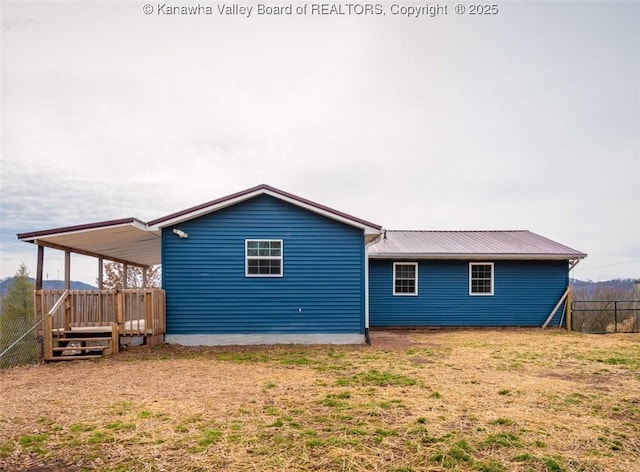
{"x": 481, "y": 278}
{"x": 263, "y": 258}
{"x": 405, "y": 278}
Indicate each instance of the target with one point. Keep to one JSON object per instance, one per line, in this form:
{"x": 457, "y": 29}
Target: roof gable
{"x": 470, "y": 245}
{"x": 235, "y": 198}
{"x": 133, "y": 241}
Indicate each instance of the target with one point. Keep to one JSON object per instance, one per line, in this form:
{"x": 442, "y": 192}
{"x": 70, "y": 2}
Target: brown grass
{"x": 485, "y": 400}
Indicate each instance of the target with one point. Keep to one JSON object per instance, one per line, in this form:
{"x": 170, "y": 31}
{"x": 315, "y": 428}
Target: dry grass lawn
{"x": 470, "y": 400}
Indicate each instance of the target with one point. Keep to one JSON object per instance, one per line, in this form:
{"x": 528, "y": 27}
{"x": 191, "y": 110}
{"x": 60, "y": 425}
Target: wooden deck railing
{"x": 137, "y": 312}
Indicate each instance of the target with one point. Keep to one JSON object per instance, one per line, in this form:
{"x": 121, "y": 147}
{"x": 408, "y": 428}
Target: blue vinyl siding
{"x": 321, "y": 290}
{"x": 525, "y": 293}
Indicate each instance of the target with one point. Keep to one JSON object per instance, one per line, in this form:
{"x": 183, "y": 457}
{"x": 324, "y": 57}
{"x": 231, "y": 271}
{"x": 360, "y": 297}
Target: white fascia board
{"x": 140, "y": 225}
{"x": 203, "y": 211}
{"x": 136, "y": 224}
{"x": 478, "y": 257}
{"x": 213, "y": 208}
{"x": 367, "y": 229}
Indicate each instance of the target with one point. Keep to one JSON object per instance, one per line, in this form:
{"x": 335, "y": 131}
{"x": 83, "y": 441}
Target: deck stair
{"x": 74, "y": 345}
{"x": 78, "y": 344}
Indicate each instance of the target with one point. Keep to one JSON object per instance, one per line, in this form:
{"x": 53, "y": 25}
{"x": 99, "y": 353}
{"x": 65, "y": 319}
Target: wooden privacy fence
{"x": 137, "y": 312}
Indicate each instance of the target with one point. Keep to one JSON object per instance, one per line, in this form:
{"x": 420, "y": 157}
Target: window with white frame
{"x": 405, "y": 278}
{"x": 481, "y": 278}
{"x": 263, "y": 257}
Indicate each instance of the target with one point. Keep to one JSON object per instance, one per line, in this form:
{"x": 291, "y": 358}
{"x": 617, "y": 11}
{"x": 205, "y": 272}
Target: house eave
{"x": 32, "y": 236}
{"x": 478, "y": 257}
{"x": 221, "y": 203}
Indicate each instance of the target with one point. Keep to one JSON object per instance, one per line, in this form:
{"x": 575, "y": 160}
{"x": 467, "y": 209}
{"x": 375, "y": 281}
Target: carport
{"x": 95, "y": 319}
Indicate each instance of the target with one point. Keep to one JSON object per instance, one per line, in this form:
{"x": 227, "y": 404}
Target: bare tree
{"x": 113, "y": 276}
{"x": 606, "y": 307}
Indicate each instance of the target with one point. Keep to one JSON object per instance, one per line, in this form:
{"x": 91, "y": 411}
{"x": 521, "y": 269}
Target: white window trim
{"x": 403, "y": 294}
{"x": 247, "y": 258}
{"x": 493, "y": 272}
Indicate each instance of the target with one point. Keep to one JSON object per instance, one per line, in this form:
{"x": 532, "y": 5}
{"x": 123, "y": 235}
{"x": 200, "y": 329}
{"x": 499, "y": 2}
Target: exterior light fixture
{"x": 181, "y": 234}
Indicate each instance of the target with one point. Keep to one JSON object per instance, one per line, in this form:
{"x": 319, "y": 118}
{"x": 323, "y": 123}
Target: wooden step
{"x": 78, "y": 344}
{"x": 83, "y": 334}
{"x": 80, "y": 348}
{"x": 76, "y": 340}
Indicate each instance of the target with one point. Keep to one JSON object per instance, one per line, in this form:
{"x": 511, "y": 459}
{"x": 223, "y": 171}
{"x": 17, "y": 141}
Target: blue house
{"x": 265, "y": 266}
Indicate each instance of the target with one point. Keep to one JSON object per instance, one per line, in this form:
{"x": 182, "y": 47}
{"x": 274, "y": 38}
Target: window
{"x": 263, "y": 258}
{"x": 481, "y": 278}
{"x": 405, "y": 278}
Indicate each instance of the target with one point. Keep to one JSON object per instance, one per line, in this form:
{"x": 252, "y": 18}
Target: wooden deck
{"x": 89, "y": 323}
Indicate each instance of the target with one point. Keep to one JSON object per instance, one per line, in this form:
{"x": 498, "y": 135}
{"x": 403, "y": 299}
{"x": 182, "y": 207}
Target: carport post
{"x": 100, "y": 285}
{"x": 100, "y": 272}
{"x": 67, "y": 270}
{"x": 38, "y": 301}
{"x": 39, "y": 267}
{"x": 67, "y": 286}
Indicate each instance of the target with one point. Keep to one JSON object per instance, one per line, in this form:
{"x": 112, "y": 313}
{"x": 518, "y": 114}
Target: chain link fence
{"x": 606, "y": 316}
{"x": 20, "y": 343}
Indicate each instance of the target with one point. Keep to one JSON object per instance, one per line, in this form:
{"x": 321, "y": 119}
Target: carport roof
{"x": 126, "y": 240}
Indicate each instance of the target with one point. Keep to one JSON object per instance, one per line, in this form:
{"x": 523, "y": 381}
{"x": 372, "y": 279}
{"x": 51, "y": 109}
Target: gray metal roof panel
{"x": 456, "y": 244}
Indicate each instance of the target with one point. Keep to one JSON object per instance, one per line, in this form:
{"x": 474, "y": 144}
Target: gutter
{"x": 478, "y": 256}
{"x": 367, "y": 336}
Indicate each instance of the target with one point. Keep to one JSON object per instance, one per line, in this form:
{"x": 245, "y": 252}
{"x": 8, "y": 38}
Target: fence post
{"x": 148, "y": 311}
{"x": 39, "y": 317}
{"x": 569, "y": 302}
{"x": 120, "y": 308}
{"x": 615, "y": 316}
{"x": 636, "y": 304}
{"x": 67, "y": 314}
{"x": 48, "y": 337}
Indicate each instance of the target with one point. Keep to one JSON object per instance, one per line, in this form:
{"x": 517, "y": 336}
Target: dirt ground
{"x": 493, "y": 400}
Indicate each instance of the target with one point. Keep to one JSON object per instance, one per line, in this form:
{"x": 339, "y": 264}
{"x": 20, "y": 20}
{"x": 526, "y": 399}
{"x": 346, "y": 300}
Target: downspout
{"x": 367, "y": 336}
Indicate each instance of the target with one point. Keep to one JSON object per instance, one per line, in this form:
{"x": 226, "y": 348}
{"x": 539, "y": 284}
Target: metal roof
{"x": 220, "y": 203}
{"x": 470, "y": 245}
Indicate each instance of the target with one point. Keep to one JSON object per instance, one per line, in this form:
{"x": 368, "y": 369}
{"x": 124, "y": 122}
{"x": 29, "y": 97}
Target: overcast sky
{"x": 524, "y": 119}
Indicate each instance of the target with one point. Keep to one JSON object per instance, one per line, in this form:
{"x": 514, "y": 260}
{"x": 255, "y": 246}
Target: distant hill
{"x": 5, "y": 285}
{"x": 585, "y": 289}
